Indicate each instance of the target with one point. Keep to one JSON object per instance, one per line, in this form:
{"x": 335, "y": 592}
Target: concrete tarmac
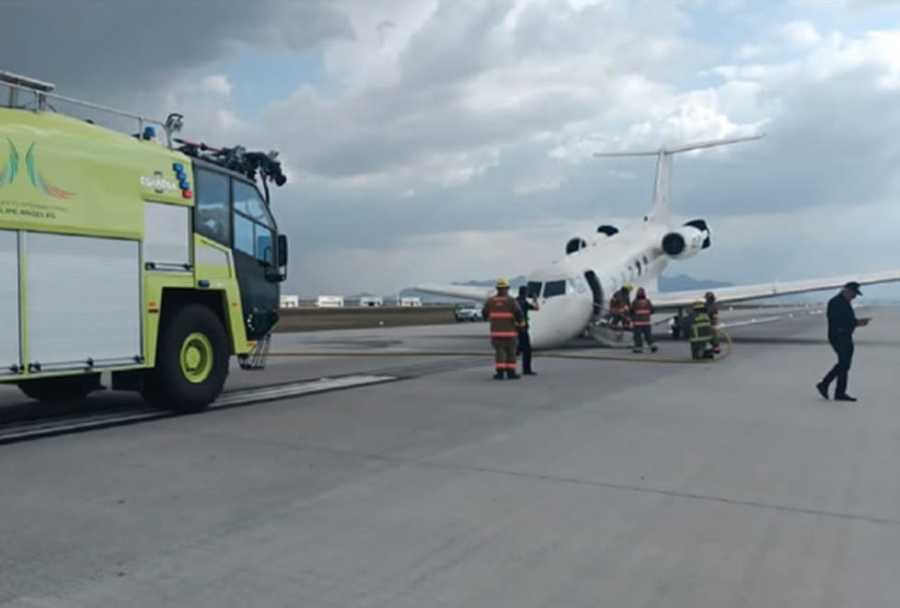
{"x": 598, "y": 483}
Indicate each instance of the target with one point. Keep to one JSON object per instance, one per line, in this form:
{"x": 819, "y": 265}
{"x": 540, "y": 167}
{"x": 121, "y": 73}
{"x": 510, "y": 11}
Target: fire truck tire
{"x": 68, "y": 389}
{"x": 191, "y": 361}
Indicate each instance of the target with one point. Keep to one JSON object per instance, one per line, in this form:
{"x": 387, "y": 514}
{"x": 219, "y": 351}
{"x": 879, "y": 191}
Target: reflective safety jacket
{"x": 618, "y": 307}
{"x": 701, "y": 328}
{"x": 712, "y": 309}
{"x": 641, "y": 311}
{"x": 505, "y": 316}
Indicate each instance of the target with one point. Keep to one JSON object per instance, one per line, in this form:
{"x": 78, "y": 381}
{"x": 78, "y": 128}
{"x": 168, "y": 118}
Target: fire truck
{"x": 129, "y": 259}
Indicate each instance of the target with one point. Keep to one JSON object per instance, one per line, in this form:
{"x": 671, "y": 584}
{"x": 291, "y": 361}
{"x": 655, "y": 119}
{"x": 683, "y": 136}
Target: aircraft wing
{"x": 683, "y": 299}
{"x": 465, "y": 292}
{"x": 790, "y": 314}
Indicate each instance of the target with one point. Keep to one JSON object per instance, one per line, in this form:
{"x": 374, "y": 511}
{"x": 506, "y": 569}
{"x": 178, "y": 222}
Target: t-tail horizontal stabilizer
{"x": 662, "y": 192}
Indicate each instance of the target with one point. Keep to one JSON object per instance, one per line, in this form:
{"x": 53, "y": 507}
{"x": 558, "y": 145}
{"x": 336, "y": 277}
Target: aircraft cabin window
{"x": 638, "y": 264}
{"x": 534, "y": 289}
{"x": 646, "y": 261}
{"x": 554, "y": 288}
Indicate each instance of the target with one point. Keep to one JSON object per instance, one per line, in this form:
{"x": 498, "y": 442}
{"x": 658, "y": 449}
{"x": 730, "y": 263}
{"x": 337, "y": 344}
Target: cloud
{"x": 452, "y": 132}
{"x": 101, "y": 47}
{"x": 471, "y": 79}
{"x": 824, "y": 159}
{"x": 801, "y": 34}
{"x": 217, "y": 85}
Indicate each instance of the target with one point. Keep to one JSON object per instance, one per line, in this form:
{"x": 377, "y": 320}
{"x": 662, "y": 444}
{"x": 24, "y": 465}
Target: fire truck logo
{"x": 8, "y": 173}
{"x": 158, "y": 183}
{"x": 40, "y": 182}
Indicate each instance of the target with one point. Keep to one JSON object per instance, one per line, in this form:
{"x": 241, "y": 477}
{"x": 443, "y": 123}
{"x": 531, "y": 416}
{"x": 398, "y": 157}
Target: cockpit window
{"x": 554, "y": 288}
{"x": 534, "y": 289}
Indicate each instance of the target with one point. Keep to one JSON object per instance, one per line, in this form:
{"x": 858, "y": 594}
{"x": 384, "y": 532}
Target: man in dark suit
{"x": 842, "y": 322}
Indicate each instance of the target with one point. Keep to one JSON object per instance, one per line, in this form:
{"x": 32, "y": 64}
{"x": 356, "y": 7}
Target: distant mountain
{"x": 683, "y": 282}
{"x": 514, "y": 282}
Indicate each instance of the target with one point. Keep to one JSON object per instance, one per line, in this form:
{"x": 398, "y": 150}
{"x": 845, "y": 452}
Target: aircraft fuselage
{"x": 568, "y": 300}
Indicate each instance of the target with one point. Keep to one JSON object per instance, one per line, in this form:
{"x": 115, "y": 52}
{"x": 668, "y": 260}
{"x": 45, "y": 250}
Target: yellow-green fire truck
{"x": 128, "y": 259}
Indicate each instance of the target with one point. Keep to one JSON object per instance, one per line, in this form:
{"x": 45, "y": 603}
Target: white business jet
{"x": 575, "y": 289}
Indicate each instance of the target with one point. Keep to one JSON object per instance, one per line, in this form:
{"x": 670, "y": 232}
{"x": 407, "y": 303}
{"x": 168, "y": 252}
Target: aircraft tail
{"x": 662, "y": 192}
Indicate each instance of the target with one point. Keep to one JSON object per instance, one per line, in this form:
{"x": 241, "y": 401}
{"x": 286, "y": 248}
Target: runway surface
{"x": 598, "y": 483}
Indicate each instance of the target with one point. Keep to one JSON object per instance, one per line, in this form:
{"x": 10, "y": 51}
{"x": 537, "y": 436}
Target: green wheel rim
{"x": 196, "y": 358}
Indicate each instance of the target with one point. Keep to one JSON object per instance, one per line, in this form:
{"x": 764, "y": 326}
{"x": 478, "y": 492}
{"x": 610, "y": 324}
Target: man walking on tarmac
{"x": 524, "y": 339}
{"x": 641, "y": 313}
{"x": 842, "y": 322}
{"x": 505, "y": 317}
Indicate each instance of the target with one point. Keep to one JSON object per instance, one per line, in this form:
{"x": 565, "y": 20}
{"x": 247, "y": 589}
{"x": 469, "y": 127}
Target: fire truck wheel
{"x": 68, "y": 389}
{"x": 191, "y": 361}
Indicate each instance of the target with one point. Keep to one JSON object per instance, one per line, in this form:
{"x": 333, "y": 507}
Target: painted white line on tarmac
{"x": 270, "y": 393}
{"x": 50, "y": 427}
{"x": 46, "y": 428}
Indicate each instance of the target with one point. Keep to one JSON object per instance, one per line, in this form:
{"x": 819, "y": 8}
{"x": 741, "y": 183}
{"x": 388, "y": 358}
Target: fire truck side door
{"x": 255, "y": 258}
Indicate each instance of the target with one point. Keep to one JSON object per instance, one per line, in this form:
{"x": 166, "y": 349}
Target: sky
{"x": 449, "y": 140}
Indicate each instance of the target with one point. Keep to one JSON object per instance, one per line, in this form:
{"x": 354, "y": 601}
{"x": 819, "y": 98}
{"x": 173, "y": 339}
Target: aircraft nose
{"x": 558, "y": 320}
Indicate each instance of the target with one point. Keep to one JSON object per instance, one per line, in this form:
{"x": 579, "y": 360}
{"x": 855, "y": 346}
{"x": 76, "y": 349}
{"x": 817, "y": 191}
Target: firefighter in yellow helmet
{"x": 506, "y": 318}
{"x": 701, "y": 332}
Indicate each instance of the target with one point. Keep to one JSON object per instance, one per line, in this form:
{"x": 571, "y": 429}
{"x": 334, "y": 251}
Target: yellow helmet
{"x": 699, "y": 305}
{"x": 628, "y": 287}
{"x": 502, "y": 283}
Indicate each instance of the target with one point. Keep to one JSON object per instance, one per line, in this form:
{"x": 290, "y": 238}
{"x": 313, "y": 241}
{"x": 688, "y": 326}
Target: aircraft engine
{"x": 575, "y": 244}
{"x": 686, "y": 242}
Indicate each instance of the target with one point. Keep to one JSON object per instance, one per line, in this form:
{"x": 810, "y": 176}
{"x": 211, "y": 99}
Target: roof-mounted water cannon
{"x": 240, "y": 160}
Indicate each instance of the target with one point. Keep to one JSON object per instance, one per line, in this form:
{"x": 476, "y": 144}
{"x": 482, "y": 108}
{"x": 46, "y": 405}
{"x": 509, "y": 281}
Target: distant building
{"x": 330, "y": 301}
{"x": 371, "y": 302}
{"x": 288, "y": 301}
{"x": 410, "y": 302}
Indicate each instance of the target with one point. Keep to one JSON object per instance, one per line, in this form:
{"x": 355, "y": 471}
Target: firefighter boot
{"x": 512, "y": 375}
{"x": 498, "y": 375}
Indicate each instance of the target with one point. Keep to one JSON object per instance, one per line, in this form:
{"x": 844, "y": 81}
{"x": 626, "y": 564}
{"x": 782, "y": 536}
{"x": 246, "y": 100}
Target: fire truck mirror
{"x": 282, "y": 251}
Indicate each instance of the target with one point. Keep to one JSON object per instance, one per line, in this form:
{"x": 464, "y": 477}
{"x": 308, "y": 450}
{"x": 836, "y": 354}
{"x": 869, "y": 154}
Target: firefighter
{"x": 618, "y": 311}
{"x": 625, "y": 292}
{"x": 524, "y": 345}
{"x": 506, "y": 318}
{"x": 641, "y": 313}
{"x": 701, "y": 332}
{"x": 712, "y": 309}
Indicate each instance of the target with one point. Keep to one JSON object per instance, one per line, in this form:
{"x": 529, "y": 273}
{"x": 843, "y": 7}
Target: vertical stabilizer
{"x": 661, "y": 211}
